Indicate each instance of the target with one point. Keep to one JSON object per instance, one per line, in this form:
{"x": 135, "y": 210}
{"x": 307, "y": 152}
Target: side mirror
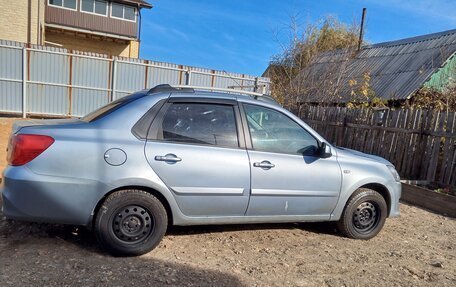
{"x": 325, "y": 150}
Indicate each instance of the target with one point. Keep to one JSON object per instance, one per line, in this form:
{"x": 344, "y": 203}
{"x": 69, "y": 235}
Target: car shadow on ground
{"x": 38, "y": 248}
{"x": 312, "y": 227}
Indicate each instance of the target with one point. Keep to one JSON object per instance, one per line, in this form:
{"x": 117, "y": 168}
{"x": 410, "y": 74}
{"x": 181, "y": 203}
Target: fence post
{"x": 24, "y": 82}
{"x": 255, "y": 85}
{"x": 113, "y": 79}
{"x": 189, "y": 77}
{"x": 344, "y": 129}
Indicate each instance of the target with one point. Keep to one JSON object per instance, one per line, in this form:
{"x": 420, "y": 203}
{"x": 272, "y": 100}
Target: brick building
{"x": 102, "y": 26}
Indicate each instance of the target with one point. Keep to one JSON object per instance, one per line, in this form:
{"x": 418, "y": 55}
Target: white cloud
{"x": 165, "y": 31}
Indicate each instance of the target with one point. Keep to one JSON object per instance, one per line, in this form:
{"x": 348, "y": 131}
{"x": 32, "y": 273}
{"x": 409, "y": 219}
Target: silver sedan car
{"x": 183, "y": 156}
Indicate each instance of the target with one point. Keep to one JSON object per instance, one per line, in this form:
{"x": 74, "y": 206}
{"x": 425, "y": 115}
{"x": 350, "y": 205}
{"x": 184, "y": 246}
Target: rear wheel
{"x": 364, "y": 215}
{"x": 130, "y": 222}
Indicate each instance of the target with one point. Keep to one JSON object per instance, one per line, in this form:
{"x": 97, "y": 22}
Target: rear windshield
{"x": 109, "y": 108}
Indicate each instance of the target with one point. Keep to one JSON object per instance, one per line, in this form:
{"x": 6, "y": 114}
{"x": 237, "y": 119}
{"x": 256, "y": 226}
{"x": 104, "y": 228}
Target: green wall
{"x": 442, "y": 77}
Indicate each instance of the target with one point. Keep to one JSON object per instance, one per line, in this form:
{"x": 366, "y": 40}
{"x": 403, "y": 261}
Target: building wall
{"x": 444, "y": 76}
{"x": 78, "y": 19}
{"x": 14, "y": 20}
{"x": 90, "y": 43}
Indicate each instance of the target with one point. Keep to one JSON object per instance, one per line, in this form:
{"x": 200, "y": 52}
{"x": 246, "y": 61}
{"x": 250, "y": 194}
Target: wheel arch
{"x": 147, "y": 189}
{"x": 380, "y": 189}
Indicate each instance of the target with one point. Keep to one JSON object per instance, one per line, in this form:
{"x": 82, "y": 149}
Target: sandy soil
{"x": 417, "y": 249}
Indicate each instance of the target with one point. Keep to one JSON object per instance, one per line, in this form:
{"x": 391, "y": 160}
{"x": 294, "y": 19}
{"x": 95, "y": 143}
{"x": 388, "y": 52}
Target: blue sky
{"x": 238, "y": 35}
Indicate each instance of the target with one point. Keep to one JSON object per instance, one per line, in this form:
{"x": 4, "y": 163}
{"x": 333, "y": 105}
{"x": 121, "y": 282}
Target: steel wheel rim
{"x": 366, "y": 217}
{"x": 132, "y": 224}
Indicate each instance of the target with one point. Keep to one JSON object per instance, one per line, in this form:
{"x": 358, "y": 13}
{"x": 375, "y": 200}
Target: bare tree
{"x": 289, "y": 70}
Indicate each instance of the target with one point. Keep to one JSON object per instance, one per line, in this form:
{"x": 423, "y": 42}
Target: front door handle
{"x": 169, "y": 158}
{"x": 264, "y": 164}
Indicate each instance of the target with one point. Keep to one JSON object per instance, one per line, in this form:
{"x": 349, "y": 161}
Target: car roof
{"x": 236, "y": 95}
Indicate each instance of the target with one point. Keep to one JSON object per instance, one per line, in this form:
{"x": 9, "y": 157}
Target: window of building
{"x": 99, "y": 7}
{"x": 123, "y": 12}
{"x": 198, "y": 123}
{"x": 68, "y": 4}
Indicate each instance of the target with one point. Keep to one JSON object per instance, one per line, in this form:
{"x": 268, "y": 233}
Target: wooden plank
{"x": 436, "y": 149}
{"x": 446, "y": 150}
{"x": 410, "y": 148}
{"x": 436, "y": 202}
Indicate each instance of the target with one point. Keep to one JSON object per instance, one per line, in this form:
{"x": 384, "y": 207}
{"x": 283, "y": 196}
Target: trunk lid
{"x": 18, "y": 125}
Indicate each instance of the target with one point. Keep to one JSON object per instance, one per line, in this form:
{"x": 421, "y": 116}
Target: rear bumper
{"x": 32, "y": 197}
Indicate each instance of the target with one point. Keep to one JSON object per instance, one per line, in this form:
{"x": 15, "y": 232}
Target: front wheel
{"x": 130, "y": 223}
{"x": 364, "y": 215}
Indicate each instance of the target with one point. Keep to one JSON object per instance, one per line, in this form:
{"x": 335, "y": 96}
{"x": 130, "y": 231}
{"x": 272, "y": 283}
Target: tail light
{"x": 24, "y": 148}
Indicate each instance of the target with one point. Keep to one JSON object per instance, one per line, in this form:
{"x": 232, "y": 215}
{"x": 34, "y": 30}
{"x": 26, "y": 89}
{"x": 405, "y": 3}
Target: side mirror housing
{"x": 325, "y": 150}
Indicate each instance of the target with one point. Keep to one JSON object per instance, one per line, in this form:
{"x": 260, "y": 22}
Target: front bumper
{"x": 395, "y": 192}
{"x": 40, "y": 198}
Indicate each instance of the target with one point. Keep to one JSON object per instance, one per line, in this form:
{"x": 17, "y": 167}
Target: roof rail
{"x": 226, "y": 90}
{"x": 191, "y": 89}
{"x": 168, "y": 88}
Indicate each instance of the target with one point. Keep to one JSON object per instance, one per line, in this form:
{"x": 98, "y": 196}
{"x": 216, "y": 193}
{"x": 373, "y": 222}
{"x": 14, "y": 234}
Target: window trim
{"x": 63, "y": 7}
{"x": 93, "y": 13}
{"x": 152, "y": 134}
{"x": 123, "y": 13}
{"x": 248, "y": 136}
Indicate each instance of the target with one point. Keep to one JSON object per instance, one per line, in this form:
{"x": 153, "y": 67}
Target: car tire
{"x": 364, "y": 215}
{"x": 130, "y": 223}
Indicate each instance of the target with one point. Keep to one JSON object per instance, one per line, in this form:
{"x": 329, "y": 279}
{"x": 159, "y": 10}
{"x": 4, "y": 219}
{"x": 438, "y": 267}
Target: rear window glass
{"x": 109, "y": 108}
{"x": 207, "y": 124}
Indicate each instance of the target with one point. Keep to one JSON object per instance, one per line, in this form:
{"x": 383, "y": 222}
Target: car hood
{"x": 354, "y": 153}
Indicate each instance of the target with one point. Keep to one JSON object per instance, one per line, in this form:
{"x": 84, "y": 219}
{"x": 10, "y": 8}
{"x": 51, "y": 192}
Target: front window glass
{"x": 207, "y": 124}
{"x": 272, "y": 131}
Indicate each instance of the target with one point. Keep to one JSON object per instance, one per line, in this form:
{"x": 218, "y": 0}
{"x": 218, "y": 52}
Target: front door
{"x": 288, "y": 177}
{"x": 195, "y": 149}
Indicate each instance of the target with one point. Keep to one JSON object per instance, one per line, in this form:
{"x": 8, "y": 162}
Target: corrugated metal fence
{"x": 53, "y": 81}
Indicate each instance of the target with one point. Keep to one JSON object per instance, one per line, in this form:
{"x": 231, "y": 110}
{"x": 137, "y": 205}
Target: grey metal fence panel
{"x": 94, "y": 75}
{"x": 161, "y": 73}
{"x": 10, "y": 97}
{"x": 10, "y": 78}
{"x": 73, "y": 84}
{"x": 129, "y": 77}
{"x": 47, "y": 100}
{"x": 83, "y": 101}
{"x": 45, "y": 91}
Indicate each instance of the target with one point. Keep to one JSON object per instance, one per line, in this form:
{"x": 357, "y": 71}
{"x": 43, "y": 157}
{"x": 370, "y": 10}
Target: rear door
{"x": 195, "y": 147}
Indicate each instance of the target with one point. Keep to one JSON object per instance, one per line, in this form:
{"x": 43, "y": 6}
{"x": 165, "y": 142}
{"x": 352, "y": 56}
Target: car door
{"x": 287, "y": 175}
{"x": 194, "y": 146}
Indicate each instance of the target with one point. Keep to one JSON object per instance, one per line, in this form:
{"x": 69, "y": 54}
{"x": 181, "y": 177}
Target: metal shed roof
{"x": 397, "y": 69}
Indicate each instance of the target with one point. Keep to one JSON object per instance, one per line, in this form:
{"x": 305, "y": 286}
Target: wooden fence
{"x": 420, "y": 143}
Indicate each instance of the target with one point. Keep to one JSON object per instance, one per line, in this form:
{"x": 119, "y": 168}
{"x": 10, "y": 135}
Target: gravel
{"x": 416, "y": 249}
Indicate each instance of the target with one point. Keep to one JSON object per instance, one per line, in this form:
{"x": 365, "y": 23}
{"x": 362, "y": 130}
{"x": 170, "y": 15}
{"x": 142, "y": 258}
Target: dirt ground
{"x": 417, "y": 249}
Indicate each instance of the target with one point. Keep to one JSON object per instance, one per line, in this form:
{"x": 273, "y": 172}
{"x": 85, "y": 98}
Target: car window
{"x": 273, "y": 131}
{"x": 109, "y": 108}
{"x": 196, "y": 123}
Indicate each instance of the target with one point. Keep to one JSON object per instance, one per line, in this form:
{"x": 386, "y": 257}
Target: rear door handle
{"x": 264, "y": 164}
{"x": 169, "y": 158}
